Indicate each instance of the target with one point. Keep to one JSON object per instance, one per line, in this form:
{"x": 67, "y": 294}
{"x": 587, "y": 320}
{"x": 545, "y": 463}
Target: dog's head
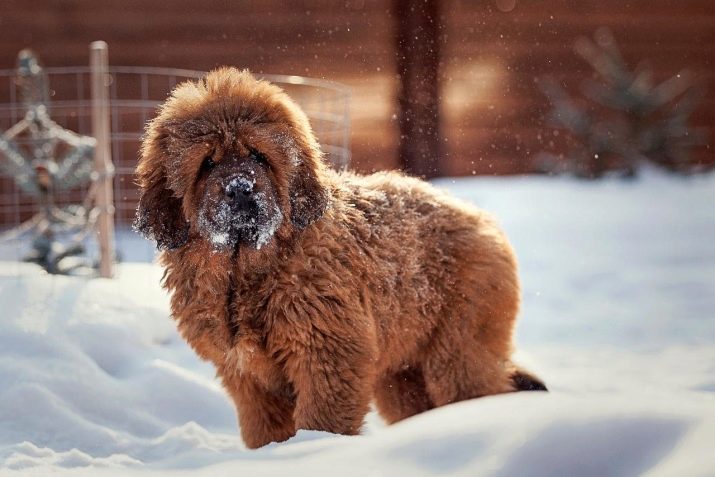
{"x": 231, "y": 160}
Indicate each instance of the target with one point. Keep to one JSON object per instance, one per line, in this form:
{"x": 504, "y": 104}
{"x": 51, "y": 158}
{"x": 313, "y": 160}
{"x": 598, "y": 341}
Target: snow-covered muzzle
{"x": 238, "y": 204}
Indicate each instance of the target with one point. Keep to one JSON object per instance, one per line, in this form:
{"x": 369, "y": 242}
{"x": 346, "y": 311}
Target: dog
{"x": 316, "y": 292}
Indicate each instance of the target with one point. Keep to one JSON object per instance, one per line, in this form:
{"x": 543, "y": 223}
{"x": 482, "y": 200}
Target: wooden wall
{"x": 493, "y": 112}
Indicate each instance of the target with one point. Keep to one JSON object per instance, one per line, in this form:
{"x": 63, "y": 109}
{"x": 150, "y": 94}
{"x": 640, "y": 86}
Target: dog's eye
{"x": 208, "y": 163}
{"x": 258, "y": 157}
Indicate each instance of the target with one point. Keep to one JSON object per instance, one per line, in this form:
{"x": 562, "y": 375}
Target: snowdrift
{"x": 618, "y": 318}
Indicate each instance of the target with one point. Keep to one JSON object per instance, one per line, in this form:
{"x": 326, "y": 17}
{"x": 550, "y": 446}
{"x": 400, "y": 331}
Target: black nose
{"x": 239, "y": 191}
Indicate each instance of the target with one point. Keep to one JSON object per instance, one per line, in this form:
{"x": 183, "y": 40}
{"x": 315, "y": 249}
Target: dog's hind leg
{"x": 466, "y": 367}
{"x": 469, "y": 352}
{"x": 454, "y": 374}
{"x": 470, "y": 358}
{"x": 402, "y": 394}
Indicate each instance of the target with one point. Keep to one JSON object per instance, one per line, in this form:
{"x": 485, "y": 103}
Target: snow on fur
{"x": 257, "y": 229}
{"x": 619, "y": 293}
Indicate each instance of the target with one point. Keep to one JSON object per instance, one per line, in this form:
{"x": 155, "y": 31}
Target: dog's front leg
{"x": 333, "y": 378}
{"x": 264, "y": 415}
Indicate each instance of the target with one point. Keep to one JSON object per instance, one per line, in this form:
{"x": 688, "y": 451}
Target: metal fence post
{"x": 104, "y": 201}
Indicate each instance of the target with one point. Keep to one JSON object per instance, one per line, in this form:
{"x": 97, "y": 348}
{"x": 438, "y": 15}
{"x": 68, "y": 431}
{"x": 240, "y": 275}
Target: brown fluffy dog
{"x": 315, "y": 292}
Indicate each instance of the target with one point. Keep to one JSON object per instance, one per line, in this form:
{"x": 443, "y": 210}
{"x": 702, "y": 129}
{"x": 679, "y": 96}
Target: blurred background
{"x": 436, "y": 87}
{"x": 491, "y": 55}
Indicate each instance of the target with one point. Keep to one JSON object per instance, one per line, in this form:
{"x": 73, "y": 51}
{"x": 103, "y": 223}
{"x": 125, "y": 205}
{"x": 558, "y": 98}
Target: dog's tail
{"x": 525, "y": 381}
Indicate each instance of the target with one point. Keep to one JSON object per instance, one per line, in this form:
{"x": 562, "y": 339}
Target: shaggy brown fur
{"x": 335, "y": 289}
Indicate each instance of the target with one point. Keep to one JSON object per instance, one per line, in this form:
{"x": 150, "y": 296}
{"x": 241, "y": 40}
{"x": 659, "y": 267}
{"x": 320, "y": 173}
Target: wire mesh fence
{"x": 135, "y": 93}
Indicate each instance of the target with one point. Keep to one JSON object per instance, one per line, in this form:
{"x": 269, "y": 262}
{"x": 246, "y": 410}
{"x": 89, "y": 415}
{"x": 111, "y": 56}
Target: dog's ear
{"x": 159, "y": 217}
{"x": 308, "y": 197}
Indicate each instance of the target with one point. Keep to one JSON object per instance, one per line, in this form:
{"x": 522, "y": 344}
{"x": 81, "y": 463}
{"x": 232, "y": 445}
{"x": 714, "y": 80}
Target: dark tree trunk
{"x": 418, "y": 28}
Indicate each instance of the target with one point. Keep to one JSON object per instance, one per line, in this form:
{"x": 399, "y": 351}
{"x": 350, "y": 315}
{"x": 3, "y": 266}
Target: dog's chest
{"x": 245, "y": 310}
{"x": 247, "y": 322}
{"x": 249, "y": 355}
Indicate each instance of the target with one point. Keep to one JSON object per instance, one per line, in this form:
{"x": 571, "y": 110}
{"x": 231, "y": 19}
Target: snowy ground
{"x": 618, "y": 318}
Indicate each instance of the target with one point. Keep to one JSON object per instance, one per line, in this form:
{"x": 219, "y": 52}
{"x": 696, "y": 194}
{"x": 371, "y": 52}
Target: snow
{"x": 218, "y": 227}
{"x": 618, "y": 318}
{"x": 241, "y": 184}
{"x": 265, "y": 230}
